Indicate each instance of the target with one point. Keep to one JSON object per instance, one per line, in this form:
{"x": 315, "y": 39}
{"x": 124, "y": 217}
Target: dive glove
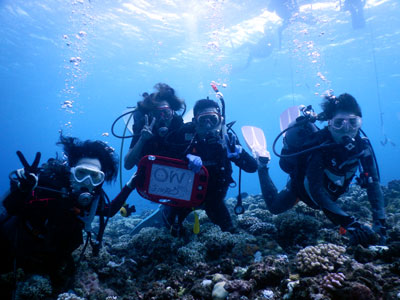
{"x": 195, "y": 163}
{"x": 361, "y": 234}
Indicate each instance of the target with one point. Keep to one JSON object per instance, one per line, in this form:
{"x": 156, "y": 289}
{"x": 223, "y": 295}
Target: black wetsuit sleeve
{"x": 315, "y": 186}
{"x": 374, "y": 190}
{"x": 16, "y": 200}
{"x": 116, "y": 204}
{"x": 246, "y": 162}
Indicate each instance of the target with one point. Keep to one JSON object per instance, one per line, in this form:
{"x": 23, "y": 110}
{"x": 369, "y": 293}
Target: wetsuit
{"x": 323, "y": 176}
{"x": 40, "y": 229}
{"x": 214, "y": 158}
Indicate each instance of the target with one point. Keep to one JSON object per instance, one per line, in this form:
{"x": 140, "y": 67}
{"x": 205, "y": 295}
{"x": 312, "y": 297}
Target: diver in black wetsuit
{"x": 207, "y": 145}
{"x": 155, "y": 120}
{"x": 47, "y": 208}
{"x": 356, "y": 9}
{"x": 322, "y": 176}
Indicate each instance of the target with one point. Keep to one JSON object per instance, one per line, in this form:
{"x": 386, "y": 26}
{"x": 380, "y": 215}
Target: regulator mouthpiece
{"x": 162, "y": 131}
{"x": 84, "y": 199}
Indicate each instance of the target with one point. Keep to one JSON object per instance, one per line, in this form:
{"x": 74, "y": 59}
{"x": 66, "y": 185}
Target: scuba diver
{"x": 356, "y": 9}
{"x": 48, "y": 207}
{"x": 285, "y": 9}
{"x": 288, "y": 11}
{"x": 154, "y": 120}
{"x": 155, "y": 123}
{"x": 322, "y": 164}
{"x": 262, "y": 49}
{"x": 208, "y": 145}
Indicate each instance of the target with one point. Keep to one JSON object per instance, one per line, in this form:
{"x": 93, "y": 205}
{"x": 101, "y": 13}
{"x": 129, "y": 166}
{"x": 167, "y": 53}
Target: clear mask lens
{"x": 350, "y": 123}
{"x": 80, "y": 174}
{"x": 163, "y": 113}
{"x": 211, "y": 120}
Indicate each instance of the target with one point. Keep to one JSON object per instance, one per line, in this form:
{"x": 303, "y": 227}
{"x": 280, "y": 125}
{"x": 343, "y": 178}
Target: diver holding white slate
{"x": 210, "y": 147}
{"x": 322, "y": 163}
{"x": 207, "y": 138}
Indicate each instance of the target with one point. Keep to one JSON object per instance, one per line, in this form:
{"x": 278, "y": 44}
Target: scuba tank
{"x": 299, "y": 133}
{"x": 299, "y": 139}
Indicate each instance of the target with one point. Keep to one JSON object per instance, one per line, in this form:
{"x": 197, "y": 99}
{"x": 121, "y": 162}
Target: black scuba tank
{"x": 298, "y": 137}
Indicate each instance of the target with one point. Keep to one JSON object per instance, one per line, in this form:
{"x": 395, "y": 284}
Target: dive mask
{"x": 345, "y": 124}
{"x": 344, "y": 128}
{"x": 208, "y": 120}
{"x": 81, "y": 173}
{"x": 163, "y": 113}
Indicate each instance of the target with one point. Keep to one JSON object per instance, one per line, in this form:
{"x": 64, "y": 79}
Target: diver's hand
{"x": 147, "y": 131}
{"x": 195, "y": 163}
{"x": 379, "y": 227}
{"x": 27, "y": 176}
{"x": 233, "y": 150}
{"x": 361, "y": 234}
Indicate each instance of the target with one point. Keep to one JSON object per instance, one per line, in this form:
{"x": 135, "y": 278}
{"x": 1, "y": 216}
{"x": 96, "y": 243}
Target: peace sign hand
{"x": 147, "y": 131}
{"x": 27, "y": 177}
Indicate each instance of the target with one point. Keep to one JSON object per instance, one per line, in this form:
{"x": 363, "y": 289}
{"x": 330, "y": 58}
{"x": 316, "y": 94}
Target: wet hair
{"x": 203, "y": 104}
{"x": 164, "y": 93}
{"x": 54, "y": 173}
{"x": 76, "y": 149}
{"x": 344, "y": 103}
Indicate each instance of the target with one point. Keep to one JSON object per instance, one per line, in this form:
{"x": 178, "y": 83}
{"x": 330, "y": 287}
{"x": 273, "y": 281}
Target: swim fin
{"x": 255, "y": 140}
{"x": 288, "y": 116}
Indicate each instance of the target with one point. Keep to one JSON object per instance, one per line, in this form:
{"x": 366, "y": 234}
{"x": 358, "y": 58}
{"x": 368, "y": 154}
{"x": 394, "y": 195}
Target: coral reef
{"x": 296, "y": 255}
{"x": 269, "y": 272}
{"x": 294, "y": 230}
{"x": 34, "y": 288}
{"x": 69, "y": 296}
{"x": 320, "y": 258}
{"x": 333, "y": 281}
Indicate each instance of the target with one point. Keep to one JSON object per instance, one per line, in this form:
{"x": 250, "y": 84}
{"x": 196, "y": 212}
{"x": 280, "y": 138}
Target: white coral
{"x": 320, "y": 257}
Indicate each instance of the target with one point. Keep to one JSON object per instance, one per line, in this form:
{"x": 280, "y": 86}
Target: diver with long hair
{"x": 154, "y": 121}
{"x": 48, "y": 207}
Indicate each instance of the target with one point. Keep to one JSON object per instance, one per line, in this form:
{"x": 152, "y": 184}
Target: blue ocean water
{"x": 76, "y": 65}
